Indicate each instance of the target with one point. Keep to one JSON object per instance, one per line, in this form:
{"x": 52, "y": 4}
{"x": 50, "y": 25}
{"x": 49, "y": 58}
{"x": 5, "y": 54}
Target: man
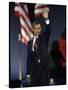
{"x": 39, "y": 62}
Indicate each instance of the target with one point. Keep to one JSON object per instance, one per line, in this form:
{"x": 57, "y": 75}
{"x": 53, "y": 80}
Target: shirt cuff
{"x": 47, "y": 21}
{"x": 28, "y": 75}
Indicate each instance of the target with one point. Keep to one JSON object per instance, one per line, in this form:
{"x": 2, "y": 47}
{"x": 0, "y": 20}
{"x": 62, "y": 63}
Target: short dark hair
{"x": 35, "y": 23}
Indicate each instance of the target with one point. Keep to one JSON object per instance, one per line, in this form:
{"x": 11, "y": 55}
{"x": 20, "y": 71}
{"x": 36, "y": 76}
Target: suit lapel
{"x": 31, "y": 42}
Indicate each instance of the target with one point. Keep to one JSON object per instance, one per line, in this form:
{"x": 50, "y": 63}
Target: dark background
{"x": 18, "y": 50}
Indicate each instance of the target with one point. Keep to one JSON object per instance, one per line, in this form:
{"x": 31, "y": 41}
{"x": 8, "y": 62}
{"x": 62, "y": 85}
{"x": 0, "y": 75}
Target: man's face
{"x": 37, "y": 29}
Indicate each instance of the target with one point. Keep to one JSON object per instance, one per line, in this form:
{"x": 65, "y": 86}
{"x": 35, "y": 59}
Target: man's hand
{"x": 28, "y": 77}
{"x": 45, "y": 12}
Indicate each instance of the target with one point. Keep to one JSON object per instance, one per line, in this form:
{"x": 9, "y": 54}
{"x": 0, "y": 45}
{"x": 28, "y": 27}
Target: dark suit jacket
{"x": 40, "y": 53}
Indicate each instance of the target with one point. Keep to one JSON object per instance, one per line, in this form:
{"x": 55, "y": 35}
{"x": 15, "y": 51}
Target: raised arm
{"x": 47, "y": 33}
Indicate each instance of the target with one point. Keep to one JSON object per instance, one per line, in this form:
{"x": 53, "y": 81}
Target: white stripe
{"x": 23, "y": 40}
{"x": 26, "y": 8}
{"x": 38, "y": 11}
{"x": 38, "y": 5}
{"x": 24, "y": 34}
{"x": 21, "y": 11}
{"x": 26, "y": 18}
{"x": 24, "y": 24}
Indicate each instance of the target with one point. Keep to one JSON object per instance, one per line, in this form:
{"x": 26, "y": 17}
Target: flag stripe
{"x": 41, "y": 6}
{"x": 29, "y": 27}
{"x": 38, "y": 10}
{"x": 25, "y": 7}
{"x": 37, "y": 5}
{"x": 24, "y": 34}
{"x": 24, "y": 40}
{"x": 23, "y": 13}
{"x": 25, "y": 31}
{"x": 26, "y": 27}
{"x": 24, "y": 16}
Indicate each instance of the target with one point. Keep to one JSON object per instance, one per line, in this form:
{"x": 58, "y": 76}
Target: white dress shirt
{"x": 47, "y": 21}
{"x": 34, "y": 40}
{"x": 35, "y": 37}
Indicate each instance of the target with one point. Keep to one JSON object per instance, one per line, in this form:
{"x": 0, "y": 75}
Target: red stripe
{"x": 17, "y": 13}
{"x": 25, "y": 9}
{"x": 43, "y": 6}
{"x": 25, "y": 13}
{"x": 27, "y": 24}
{"x": 26, "y": 41}
{"x": 39, "y": 14}
{"x": 26, "y": 31}
{"x": 25, "y": 20}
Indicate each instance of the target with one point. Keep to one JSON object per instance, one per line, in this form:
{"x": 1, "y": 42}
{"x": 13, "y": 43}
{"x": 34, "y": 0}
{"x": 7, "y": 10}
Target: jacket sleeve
{"x": 47, "y": 33}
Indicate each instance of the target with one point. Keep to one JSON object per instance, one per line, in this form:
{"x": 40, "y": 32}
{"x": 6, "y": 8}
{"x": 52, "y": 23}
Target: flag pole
{"x": 20, "y": 73}
{"x": 20, "y": 65}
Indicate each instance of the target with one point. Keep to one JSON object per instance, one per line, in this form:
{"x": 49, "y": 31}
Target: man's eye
{"x": 36, "y": 28}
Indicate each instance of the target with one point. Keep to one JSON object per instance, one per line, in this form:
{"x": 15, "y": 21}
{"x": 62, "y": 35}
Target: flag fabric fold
{"x": 21, "y": 10}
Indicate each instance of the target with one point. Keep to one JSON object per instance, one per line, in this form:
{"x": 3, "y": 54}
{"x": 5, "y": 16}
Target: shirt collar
{"x": 35, "y": 36}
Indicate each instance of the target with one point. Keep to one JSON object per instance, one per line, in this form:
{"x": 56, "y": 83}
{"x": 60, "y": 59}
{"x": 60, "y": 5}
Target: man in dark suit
{"x": 39, "y": 62}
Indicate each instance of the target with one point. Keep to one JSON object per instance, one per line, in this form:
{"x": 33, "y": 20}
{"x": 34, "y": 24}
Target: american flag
{"x": 26, "y": 29}
{"x": 39, "y": 8}
{"x": 21, "y": 10}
